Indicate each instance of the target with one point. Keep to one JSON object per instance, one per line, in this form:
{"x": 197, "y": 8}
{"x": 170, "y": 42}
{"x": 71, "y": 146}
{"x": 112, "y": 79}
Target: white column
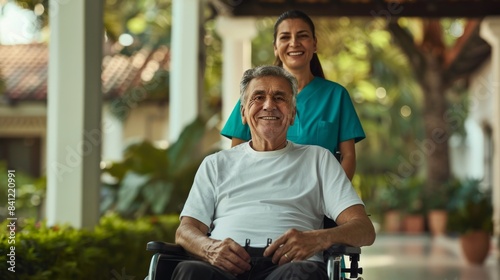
{"x": 236, "y": 34}
{"x": 490, "y": 32}
{"x": 184, "y": 63}
{"x": 112, "y": 138}
{"x": 74, "y": 112}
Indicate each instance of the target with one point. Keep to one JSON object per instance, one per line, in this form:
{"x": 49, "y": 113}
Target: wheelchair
{"x": 168, "y": 255}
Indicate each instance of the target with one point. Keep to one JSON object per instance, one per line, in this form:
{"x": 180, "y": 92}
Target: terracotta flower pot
{"x": 475, "y": 246}
{"x": 413, "y": 224}
{"x": 392, "y": 221}
{"x": 437, "y": 222}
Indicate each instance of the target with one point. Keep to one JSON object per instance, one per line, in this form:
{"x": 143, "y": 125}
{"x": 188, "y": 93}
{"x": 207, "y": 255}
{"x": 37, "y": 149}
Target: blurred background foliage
{"x": 359, "y": 53}
{"x": 152, "y": 180}
{"x": 143, "y": 194}
{"x": 29, "y": 192}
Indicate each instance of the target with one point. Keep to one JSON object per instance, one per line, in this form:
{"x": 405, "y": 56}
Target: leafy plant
{"x": 153, "y": 180}
{"x": 439, "y": 198}
{"x": 29, "y": 192}
{"x": 404, "y": 194}
{"x": 115, "y": 247}
{"x": 411, "y": 195}
{"x": 471, "y": 208}
{"x": 388, "y": 198}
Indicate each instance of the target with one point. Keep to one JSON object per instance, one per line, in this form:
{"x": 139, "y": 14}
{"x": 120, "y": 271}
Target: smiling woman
{"x": 295, "y": 46}
{"x": 325, "y": 114}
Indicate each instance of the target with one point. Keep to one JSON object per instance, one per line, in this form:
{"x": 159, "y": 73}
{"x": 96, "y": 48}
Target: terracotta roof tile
{"x": 24, "y": 71}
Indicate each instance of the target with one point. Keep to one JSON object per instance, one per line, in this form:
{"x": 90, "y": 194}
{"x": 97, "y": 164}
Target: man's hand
{"x": 294, "y": 245}
{"x": 224, "y": 254}
{"x": 227, "y": 255}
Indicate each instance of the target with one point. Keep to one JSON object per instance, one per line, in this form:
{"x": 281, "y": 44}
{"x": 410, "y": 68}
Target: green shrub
{"x": 115, "y": 249}
{"x": 470, "y": 208}
{"x": 151, "y": 180}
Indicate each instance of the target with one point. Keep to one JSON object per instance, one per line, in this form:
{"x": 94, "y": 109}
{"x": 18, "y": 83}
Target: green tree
{"x": 427, "y": 58}
{"x": 358, "y": 54}
{"x": 146, "y": 20}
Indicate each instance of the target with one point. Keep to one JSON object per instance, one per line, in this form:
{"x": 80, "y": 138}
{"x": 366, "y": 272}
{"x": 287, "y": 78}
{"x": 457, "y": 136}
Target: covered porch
{"x": 73, "y": 191}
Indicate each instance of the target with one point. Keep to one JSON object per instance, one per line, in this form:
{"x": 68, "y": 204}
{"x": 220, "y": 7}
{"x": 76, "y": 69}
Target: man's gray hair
{"x": 266, "y": 71}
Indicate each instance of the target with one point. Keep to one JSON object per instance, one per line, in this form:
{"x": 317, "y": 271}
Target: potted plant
{"x": 412, "y": 201}
{"x": 388, "y": 199}
{"x": 471, "y": 216}
{"x": 436, "y": 205}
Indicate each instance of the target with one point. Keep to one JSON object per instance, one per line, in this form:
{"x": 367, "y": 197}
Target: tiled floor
{"x": 407, "y": 257}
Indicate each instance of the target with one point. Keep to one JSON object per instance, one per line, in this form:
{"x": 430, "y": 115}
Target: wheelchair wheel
{"x": 334, "y": 267}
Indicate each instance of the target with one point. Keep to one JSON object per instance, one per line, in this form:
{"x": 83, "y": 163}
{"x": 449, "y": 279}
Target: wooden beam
{"x": 372, "y": 8}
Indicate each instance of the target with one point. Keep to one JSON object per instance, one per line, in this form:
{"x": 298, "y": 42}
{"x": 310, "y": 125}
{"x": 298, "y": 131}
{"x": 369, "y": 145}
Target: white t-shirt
{"x": 253, "y": 195}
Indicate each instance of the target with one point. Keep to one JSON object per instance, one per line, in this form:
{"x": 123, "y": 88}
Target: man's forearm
{"x": 192, "y": 240}
{"x": 356, "y": 232}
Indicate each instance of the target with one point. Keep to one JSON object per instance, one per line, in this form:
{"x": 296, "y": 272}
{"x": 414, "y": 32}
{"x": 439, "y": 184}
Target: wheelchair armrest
{"x": 339, "y": 249}
{"x": 166, "y": 248}
{"x": 165, "y": 253}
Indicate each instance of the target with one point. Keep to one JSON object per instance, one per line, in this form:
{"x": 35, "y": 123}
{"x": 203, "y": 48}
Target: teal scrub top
{"x": 325, "y": 117}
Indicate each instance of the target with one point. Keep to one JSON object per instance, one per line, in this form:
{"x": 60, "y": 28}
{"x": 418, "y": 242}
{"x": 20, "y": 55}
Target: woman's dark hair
{"x": 314, "y": 64}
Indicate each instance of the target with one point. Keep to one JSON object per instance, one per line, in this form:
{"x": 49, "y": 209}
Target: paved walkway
{"x": 407, "y": 257}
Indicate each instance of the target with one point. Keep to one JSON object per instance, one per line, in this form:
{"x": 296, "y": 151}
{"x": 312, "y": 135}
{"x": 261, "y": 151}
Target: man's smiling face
{"x": 268, "y": 109}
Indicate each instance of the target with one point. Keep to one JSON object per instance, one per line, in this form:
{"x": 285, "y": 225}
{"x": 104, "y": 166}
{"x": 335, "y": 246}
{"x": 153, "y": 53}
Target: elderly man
{"x": 268, "y": 189}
